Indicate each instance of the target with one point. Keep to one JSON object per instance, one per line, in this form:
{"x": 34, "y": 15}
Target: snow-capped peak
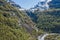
{"x": 42, "y": 5}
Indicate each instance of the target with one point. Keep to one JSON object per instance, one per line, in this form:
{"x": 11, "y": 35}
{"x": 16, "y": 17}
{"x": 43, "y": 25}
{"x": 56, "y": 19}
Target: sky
{"x": 28, "y": 3}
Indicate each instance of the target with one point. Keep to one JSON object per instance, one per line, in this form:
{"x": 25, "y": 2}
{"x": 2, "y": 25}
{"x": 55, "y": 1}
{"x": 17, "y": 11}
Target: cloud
{"x": 46, "y": 3}
{"x": 42, "y": 0}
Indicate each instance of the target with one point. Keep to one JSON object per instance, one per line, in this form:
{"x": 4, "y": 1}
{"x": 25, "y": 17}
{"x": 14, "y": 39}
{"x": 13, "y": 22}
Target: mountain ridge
{"x": 15, "y": 24}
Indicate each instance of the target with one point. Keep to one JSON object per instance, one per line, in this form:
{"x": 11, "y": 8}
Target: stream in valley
{"x": 42, "y": 37}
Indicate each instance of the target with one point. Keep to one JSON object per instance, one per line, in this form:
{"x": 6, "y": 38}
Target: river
{"x": 42, "y": 37}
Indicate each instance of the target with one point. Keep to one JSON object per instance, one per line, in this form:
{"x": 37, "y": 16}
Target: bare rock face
{"x": 54, "y": 4}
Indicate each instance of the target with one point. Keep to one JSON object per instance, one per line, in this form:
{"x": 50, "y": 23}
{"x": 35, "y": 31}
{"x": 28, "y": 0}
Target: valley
{"x": 18, "y": 24}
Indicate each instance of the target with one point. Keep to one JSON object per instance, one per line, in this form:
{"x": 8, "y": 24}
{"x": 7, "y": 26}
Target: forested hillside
{"x": 49, "y": 20}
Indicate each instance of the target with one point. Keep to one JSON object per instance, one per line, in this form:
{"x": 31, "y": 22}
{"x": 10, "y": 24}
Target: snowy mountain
{"x": 41, "y": 5}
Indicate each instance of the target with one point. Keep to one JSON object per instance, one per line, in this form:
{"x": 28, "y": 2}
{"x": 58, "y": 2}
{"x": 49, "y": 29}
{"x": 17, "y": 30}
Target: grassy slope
{"x": 10, "y": 18}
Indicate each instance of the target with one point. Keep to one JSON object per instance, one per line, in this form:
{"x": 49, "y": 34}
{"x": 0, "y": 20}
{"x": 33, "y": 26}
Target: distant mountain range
{"x": 42, "y": 5}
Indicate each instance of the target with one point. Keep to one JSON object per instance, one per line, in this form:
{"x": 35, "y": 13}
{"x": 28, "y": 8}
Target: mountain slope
{"x": 14, "y": 4}
{"x": 49, "y": 21}
{"x": 54, "y": 4}
{"x": 14, "y": 24}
